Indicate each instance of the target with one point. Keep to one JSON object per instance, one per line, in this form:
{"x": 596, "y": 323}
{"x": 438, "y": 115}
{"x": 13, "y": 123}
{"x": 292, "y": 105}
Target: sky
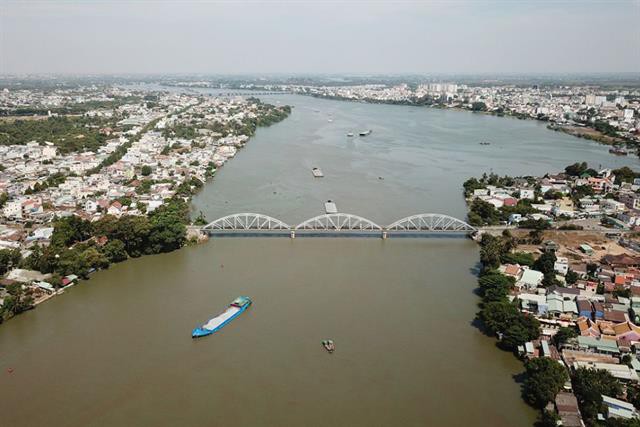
{"x": 370, "y": 37}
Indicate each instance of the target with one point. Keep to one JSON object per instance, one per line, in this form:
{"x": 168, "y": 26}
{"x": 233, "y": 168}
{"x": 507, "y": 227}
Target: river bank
{"x": 400, "y": 311}
{"x": 549, "y": 295}
{"x": 590, "y": 134}
{"x": 586, "y": 131}
{"x": 79, "y": 243}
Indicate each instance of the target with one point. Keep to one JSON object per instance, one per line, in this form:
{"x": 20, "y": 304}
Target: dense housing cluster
{"x": 69, "y": 207}
{"x": 560, "y": 287}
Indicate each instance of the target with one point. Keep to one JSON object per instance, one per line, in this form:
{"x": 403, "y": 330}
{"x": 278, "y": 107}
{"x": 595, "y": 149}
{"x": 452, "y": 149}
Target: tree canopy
{"x": 545, "y": 377}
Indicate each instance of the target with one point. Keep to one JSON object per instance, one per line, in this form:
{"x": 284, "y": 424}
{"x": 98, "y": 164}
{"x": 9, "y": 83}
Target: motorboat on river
{"x": 329, "y": 345}
{"x": 235, "y": 309}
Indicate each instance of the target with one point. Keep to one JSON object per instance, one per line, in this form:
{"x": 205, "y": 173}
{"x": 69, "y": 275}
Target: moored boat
{"x": 235, "y": 309}
{"x": 618, "y": 151}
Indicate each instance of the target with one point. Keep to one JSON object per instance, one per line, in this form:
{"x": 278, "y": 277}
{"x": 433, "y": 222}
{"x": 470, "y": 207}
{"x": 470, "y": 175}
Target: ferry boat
{"x": 365, "y": 132}
{"x": 235, "y": 309}
{"x": 317, "y": 172}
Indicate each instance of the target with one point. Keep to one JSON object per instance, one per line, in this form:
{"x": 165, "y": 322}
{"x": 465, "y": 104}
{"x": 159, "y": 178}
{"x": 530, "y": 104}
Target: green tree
{"x": 491, "y": 251}
{"x": 146, "y": 170}
{"x": 571, "y": 277}
{"x": 168, "y": 231}
{"x": 625, "y": 174}
{"x": 523, "y": 328}
{"x": 545, "y": 264}
{"x": 115, "y": 251}
{"x": 547, "y": 419}
{"x": 576, "y": 169}
{"x": 133, "y": 231}
{"x": 545, "y": 377}
{"x": 536, "y": 236}
{"x": 478, "y": 106}
{"x": 522, "y": 258}
{"x": 495, "y": 286}
{"x": 9, "y": 258}
{"x": 16, "y": 301}
{"x": 70, "y": 230}
{"x": 482, "y": 213}
{"x": 589, "y": 385}
{"x": 200, "y": 219}
{"x": 563, "y": 335}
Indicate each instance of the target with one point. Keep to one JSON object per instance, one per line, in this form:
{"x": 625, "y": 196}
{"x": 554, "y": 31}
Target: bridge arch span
{"x": 246, "y": 221}
{"x": 339, "y": 222}
{"x": 431, "y": 222}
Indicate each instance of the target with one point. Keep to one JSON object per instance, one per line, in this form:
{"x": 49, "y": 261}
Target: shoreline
{"x": 597, "y": 136}
{"x": 192, "y": 235}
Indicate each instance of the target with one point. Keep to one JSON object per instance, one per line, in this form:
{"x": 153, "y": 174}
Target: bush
{"x": 522, "y": 258}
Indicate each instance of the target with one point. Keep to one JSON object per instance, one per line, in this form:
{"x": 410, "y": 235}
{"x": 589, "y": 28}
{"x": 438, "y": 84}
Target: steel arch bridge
{"x": 246, "y": 221}
{"x": 338, "y": 222}
{"x": 432, "y": 223}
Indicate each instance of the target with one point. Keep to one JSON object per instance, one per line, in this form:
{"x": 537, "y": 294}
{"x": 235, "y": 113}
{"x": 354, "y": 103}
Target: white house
{"x": 525, "y": 193}
{"x": 13, "y": 209}
{"x": 561, "y": 265}
{"x": 530, "y": 279}
{"x": 90, "y": 206}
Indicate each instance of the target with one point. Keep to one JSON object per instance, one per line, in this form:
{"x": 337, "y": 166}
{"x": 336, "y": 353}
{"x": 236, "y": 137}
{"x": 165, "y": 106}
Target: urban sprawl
{"x": 93, "y": 175}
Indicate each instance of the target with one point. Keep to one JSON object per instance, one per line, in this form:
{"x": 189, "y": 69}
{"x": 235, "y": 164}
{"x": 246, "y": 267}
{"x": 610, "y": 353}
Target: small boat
{"x": 485, "y": 143}
{"x": 365, "y": 132}
{"x": 329, "y": 345}
{"x": 317, "y": 172}
{"x": 618, "y": 151}
{"x": 329, "y": 120}
{"x": 235, "y": 309}
{"x": 350, "y": 134}
{"x": 330, "y": 207}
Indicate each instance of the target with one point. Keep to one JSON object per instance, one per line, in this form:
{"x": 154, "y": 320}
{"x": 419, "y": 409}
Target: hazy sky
{"x": 463, "y": 36}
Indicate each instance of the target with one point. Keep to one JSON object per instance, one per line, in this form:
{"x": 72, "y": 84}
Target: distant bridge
{"x": 337, "y": 224}
{"x": 246, "y": 93}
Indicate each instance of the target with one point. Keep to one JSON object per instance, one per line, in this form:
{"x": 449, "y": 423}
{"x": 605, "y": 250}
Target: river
{"x": 116, "y": 350}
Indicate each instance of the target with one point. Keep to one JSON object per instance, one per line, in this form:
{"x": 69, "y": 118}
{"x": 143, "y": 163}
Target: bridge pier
{"x": 384, "y": 234}
{"x": 293, "y": 234}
